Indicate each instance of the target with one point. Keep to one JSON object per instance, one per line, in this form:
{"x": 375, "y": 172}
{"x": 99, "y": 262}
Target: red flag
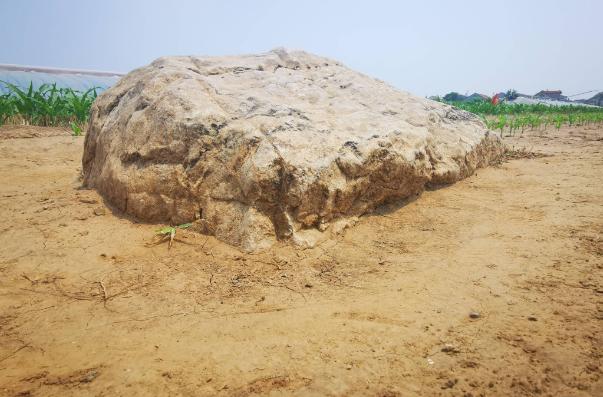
{"x": 495, "y": 99}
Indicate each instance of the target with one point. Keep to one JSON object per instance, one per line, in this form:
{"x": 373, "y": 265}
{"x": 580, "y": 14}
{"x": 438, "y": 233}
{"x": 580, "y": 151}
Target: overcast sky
{"x": 425, "y": 47}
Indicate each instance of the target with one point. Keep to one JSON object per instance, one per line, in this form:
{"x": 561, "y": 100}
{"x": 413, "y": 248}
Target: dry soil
{"x": 90, "y": 305}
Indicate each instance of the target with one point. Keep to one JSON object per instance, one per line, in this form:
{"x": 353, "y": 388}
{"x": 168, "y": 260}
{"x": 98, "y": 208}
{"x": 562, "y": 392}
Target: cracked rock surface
{"x": 276, "y": 146}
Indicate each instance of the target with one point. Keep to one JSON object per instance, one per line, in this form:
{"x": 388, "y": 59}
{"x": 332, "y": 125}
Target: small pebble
{"x": 474, "y": 315}
{"x": 451, "y": 349}
{"x": 90, "y": 376}
{"x": 86, "y": 200}
{"x": 449, "y": 384}
{"x": 532, "y": 318}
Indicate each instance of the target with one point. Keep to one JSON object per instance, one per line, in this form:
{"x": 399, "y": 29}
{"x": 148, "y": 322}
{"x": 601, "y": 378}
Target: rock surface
{"x": 276, "y": 146}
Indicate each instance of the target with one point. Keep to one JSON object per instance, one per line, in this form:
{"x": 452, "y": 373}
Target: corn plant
{"x": 78, "y": 104}
{"x": 559, "y": 120}
{"x": 76, "y": 130}
{"x": 47, "y": 105}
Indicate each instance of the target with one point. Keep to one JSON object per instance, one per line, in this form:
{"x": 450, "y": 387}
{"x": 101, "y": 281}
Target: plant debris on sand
{"x": 512, "y": 153}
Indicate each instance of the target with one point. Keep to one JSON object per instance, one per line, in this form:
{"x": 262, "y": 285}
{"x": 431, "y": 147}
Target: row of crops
{"x": 513, "y": 118}
{"x": 47, "y": 105}
{"x": 535, "y": 121}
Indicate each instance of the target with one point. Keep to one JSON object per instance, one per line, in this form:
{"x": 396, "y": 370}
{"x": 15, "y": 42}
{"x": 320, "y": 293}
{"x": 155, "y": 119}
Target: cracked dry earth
{"x": 89, "y": 306}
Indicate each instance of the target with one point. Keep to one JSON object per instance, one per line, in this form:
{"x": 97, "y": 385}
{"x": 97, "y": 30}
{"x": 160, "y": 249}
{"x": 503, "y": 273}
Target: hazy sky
{"x": 425, "y": 47}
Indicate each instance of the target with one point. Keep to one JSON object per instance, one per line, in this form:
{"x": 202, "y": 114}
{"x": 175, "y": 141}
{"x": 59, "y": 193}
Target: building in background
{"x": 79, "y": 80}
{"x": 596, "y": 100}
{"x": 551, "y": 95}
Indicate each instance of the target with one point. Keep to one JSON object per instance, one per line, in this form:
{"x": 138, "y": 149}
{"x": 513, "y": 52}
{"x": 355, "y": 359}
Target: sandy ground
{"x": 89, "y": 307}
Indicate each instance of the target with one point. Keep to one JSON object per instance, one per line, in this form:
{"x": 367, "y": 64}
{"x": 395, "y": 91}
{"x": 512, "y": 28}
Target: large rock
{"x": 283, "y": 145}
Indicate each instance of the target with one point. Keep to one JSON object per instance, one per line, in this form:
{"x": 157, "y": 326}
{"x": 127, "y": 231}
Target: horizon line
{"x": 54, "y": 70}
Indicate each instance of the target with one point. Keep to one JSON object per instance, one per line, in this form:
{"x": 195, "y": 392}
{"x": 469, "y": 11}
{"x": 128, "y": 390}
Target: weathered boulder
{"x": 276, "y": 146}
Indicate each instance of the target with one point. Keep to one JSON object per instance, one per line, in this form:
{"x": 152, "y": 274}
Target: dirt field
{"x": 89, "y": 307}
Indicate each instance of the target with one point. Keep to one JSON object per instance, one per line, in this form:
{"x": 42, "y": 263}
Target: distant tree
{"x": 454, "y": 97}
{"x": 511, "y": 94}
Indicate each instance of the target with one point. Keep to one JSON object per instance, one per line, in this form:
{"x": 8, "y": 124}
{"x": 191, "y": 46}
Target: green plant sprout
{"x": 76, "y": 129}
{"x": 169, "y": 232}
